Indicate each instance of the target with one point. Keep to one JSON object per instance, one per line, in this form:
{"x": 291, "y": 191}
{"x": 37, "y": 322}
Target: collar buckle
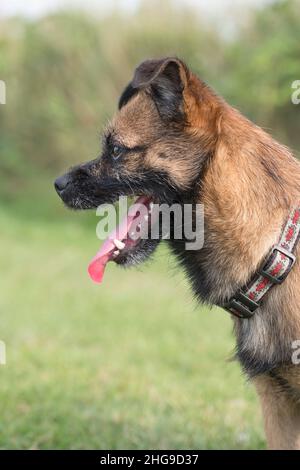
{"x": 287, "y": 254}
{"x": 241, "y": 305}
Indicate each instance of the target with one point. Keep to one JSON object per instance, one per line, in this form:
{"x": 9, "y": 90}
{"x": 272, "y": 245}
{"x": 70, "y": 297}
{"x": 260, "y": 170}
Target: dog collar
{"x": 274, "y": 270}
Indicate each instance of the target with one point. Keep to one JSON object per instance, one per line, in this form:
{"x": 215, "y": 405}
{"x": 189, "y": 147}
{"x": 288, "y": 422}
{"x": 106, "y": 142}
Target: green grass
{"x": 133, "y": 363}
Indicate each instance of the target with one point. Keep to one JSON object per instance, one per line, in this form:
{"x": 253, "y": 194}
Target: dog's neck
{"x": 248, "y": 190}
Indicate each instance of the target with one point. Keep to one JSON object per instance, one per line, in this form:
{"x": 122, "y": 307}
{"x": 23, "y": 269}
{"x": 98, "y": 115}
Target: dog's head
{"x": 155, "y": 146}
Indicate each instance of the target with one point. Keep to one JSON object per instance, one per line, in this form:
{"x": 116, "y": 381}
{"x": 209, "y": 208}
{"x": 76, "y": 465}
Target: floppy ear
{"x": 165, "y": 79}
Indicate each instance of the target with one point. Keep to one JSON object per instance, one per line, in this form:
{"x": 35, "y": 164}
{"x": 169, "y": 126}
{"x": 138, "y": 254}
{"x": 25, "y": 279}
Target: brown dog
{"x": 174, "y": 139}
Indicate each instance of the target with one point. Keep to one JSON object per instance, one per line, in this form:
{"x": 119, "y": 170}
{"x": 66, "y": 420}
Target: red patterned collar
{"x": 275, "y": 270}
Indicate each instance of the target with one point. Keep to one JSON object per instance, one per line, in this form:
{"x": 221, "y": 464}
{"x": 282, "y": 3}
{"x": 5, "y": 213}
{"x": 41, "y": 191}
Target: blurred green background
{"x": 133, "y": 363}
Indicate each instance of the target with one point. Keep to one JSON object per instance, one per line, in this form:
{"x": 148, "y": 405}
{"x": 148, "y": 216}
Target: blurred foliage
{"x": 265, "y": 61}
{"x": 65, "y": 72}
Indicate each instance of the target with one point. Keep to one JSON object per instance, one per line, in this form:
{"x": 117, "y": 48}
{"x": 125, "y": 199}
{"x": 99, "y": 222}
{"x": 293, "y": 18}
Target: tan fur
{"x": 281, "y": 416}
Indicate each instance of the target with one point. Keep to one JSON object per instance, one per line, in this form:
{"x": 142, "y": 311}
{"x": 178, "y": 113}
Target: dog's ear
{"x": 165, "y": 79}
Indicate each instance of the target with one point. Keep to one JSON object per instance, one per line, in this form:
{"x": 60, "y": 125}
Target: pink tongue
{"x": 97, "y": 265}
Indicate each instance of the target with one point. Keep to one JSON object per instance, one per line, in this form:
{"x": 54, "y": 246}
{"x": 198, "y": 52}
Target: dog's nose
{"x": 62, "y": 182}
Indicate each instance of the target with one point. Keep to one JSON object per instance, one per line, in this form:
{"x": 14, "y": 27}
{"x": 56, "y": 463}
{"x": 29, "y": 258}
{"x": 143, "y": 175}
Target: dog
{"x": 173, "y": 139}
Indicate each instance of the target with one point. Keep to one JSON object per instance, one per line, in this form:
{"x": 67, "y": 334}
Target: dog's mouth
{"x": 130, "y": 241}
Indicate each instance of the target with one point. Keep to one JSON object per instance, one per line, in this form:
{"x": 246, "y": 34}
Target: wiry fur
{"x": 181, "y": 142}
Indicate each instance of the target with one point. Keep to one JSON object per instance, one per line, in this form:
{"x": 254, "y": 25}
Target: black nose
{"x": 62, "y": 182}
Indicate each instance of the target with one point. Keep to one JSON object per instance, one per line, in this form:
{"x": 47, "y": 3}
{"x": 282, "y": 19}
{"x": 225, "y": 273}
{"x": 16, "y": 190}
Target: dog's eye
{"x": 116, "y": 152}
